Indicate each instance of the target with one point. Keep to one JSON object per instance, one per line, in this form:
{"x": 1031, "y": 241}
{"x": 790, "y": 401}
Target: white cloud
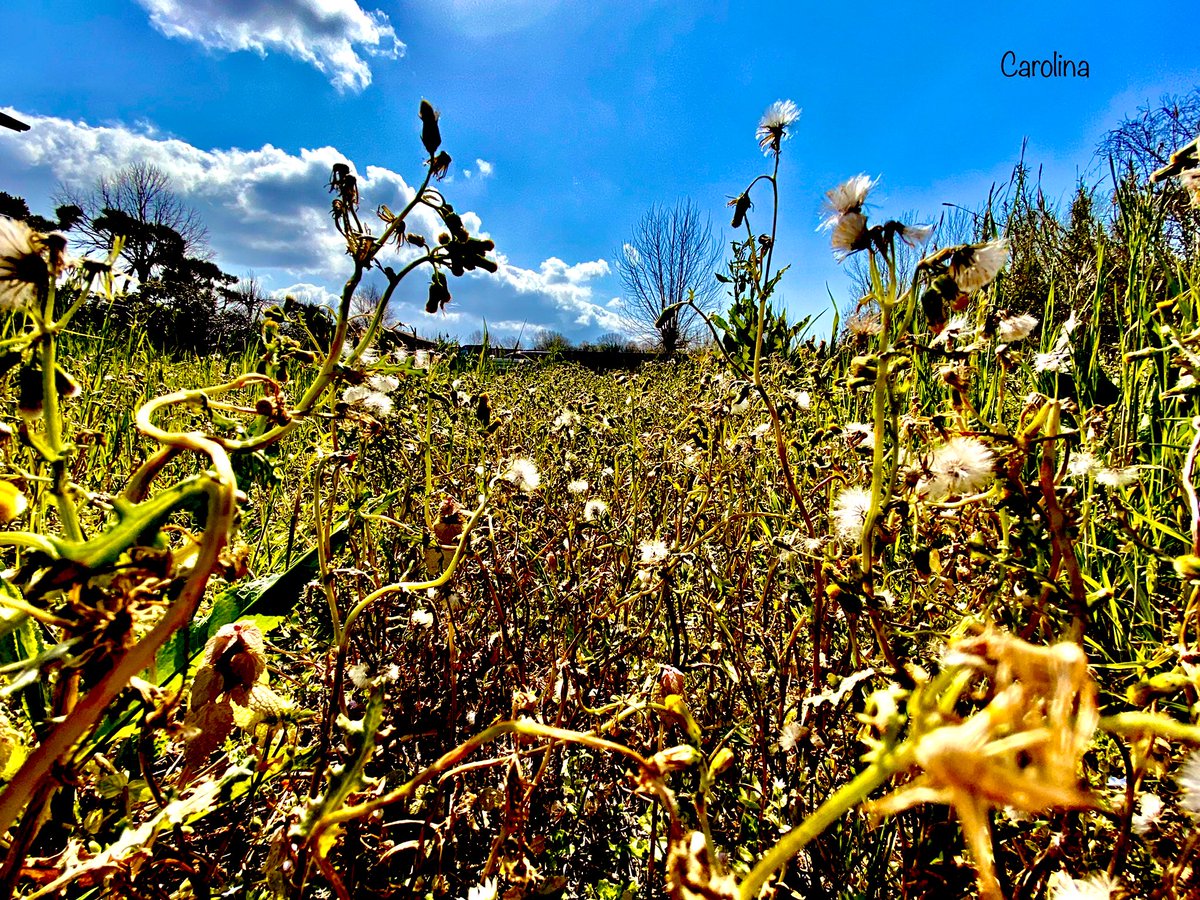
{"x": 307, "y": 293}
{"x": 568, "y": 286}
{"x": 267, "y": 210}
{"x": 485, "y": 168}
{"x": 328, "y": 34}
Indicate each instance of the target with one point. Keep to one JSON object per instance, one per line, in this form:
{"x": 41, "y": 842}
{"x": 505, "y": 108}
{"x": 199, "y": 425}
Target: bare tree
{"x": 1144, "y": 142}
{"x": 672, "y": 253}
{"x": 138, "y": 203}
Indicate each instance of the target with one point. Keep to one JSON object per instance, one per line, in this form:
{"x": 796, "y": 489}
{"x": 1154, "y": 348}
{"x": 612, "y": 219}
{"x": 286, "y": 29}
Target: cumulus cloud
{"x": 569, "y": 287}
{"x": 331, "y": 35}
{"x": 267, "y": 210}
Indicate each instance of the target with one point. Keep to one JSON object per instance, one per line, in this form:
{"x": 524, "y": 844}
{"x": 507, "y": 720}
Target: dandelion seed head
{"x": 848, "y": 230}
{"x": 775, "y": 124}
{"x": 916, "y": 235}
{"x": 1149, "y": 808}
{"x": 1082, "y": 464}
{"x": 1094, "y": 887}
{"x": 789, "y": 736}
{"x": 594, "y": 509}
{"x": 974, "y": 267}
{"x": 653, "y": 552}
{"x": 1015, "y": 328}
{"x": 859, "y": 435}
{"x": 961, "y": 466}
{"x": 523, "y": 475}
{"x": 422, "y": 618}
{"x": 363, "y": 396}
{"x": 23, "y": 269}
{"x": 1117, "y": 478}
{"x": 579, "y": 486}
{"x": 848, "y": 197}
{"x": 849, "y": 514}
{"x": 1189, "y": 785}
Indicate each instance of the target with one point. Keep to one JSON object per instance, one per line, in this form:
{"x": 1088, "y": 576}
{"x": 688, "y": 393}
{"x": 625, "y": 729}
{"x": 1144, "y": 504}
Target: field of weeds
{"x": 905, "y": 606}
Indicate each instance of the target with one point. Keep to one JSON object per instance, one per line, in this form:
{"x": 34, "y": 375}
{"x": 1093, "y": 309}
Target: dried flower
{"x": 1117, "y": 478}
{"x": 774, "y": 124}
{"x": 1022, "y": 750}
{"x": 594, "y": 509}
{"x": 974, "y": 266}
{"x": 962, "y": 465}
{"x": 849, "y": 514}
{"x": 523, "y": 475}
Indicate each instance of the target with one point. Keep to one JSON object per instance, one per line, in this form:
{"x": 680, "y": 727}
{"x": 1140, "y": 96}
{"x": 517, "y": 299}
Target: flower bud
{"x": 431, "y": 135}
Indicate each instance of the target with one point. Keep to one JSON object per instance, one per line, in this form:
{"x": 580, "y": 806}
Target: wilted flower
{"x": 849, "y": 514}
{"x": 973, "y": 266}
{"x": 1015, "y": 328}
{"x": 774, "y": 124}
{"x": 962, "y": 465}
{"x": 523, "y": 475}
{"x": 594, "y": 509}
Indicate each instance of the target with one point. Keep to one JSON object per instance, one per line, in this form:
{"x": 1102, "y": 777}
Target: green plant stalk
{"x": 844, "y": 799}
{"x": 52, "y": 416}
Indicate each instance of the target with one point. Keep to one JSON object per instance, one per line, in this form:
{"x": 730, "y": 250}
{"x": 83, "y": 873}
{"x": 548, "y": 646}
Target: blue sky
{"x": 566, "y": 120}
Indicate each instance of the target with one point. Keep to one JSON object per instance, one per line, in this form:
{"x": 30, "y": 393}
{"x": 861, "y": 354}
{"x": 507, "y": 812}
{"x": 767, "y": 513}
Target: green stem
{"x": 846, "y": 798}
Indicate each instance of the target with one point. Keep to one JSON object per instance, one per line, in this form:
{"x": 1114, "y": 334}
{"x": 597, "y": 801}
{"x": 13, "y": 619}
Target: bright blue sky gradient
{"x": 586, "y": 113}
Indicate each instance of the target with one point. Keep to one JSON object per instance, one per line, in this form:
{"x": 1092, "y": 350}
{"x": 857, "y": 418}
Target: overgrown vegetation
{"x": 912, "y": 611}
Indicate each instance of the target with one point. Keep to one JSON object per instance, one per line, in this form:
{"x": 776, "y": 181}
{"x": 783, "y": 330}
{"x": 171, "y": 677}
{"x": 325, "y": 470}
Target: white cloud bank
{"x": 267, "y": 210}
{"x": 331, "y": 35}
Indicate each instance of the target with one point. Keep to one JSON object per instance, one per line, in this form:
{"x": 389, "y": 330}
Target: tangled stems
{"x": 220, "y": 488}
{"x": 342, "y": 635}
{"x": 843, "y": 800}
